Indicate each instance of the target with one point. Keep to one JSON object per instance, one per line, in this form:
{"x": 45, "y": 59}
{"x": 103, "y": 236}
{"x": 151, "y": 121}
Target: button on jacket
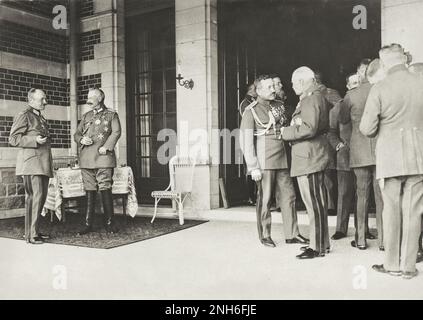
{"x": 104, "y": 129}
{"x": 32, "y": 158}
{"x": 307, "y": 134}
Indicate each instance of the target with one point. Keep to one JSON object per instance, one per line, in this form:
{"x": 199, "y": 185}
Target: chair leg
{"x": 181, "y": 212}
{"x": 156, "y": 202}
{"x": 124, "y": 205}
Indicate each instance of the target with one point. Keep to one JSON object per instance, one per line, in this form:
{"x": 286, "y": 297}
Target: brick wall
{"x": 12, "y": 192}
{"x": 85, "y": 83}
{"x": 59, "y": 132}
{"x": 40, "y": 7}
{"x": 5, "y": 125}
{"x": 86, "y": 8}
{"x": 87, "y": 42}
{"x": 14, "y": 85}
{"x": 32, "y": 42}
{"x": 45, "y": 7}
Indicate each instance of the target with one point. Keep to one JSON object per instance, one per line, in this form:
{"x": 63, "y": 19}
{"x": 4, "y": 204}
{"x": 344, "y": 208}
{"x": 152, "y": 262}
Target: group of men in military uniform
{"x": 96, "y": 136}
{"x": 375, "y": 132}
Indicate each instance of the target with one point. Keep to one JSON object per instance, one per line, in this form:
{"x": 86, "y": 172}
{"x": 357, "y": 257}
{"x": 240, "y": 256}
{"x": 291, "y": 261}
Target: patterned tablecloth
{"x": 67, "y": 183}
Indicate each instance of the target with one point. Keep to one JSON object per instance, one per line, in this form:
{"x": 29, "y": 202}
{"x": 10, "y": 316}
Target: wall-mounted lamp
{"x": 189, "y": 84}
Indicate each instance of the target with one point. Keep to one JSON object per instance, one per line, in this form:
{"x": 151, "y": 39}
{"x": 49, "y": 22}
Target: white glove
{"x": 256, "y": 174}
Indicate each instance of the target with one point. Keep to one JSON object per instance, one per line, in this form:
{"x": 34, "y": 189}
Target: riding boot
{"x": 107, "y": 198}
{"x": 91, "y": 195}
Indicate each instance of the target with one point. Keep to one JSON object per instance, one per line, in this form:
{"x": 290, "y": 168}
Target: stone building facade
{"x": 33, "y": 53}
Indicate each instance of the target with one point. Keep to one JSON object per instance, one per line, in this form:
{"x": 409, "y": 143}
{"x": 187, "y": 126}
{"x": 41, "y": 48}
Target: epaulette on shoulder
{"x": 251, "y": 105}
{"x": 110, "y": 111}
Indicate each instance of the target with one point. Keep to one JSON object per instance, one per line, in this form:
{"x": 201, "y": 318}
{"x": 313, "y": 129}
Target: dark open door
{"x": 237, "y": 69}
{"x": 151, "y": 96}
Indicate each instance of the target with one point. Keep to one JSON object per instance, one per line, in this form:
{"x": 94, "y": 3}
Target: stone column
{"x": 402, "y": 23}
{"x": 109, "y": 60}
{"x": 197, "y": 109}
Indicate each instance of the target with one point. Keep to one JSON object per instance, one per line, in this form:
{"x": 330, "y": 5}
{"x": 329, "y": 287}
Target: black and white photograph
{"x": 211, "y": 150}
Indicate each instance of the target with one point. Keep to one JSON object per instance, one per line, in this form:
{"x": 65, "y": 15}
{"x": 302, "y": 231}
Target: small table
{"x": 67, "y": 184}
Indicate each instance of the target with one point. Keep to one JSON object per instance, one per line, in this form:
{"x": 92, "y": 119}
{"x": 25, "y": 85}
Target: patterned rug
{"x": 130, "y": 230}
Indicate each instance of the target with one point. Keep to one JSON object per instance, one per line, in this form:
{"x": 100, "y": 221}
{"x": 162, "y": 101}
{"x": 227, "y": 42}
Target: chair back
{"x": 181, "y": 171}
{"x": 70, "y": 183}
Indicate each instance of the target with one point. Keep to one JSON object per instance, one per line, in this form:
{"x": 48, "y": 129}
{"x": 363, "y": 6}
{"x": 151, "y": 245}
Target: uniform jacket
{"x": 104, "y": 129}
{"x": 362, "y": 148}
{"x": 338, "y": 133}
{"x": 269, "y": 152}
{"x": 32, "y": 158}
{"x": 394, "y": 112}
{"x": 333, "y": 97}
{"x": 307, "y": 134}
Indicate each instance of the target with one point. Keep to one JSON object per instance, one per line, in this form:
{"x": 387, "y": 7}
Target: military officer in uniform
{"x": 362, "y": 160}
{"x": 30, "y": 133}
{"x": 394, "y": 113}
{"x": 417, "y": 68}
{"x": 310, "y": 157}
{"x": 267, "y": 162}
{"x": 333, "y": 97}
{"x": 97, "y": 135}
{"x": 339, "y": 138}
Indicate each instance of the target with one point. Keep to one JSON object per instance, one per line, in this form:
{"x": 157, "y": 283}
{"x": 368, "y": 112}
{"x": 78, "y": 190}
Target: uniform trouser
{"x": 345, "y": 199}
{"x": 313, "y": 193}
{"x": 364, "y": 178}
{"x": 330, "y": 186}
{"x": 36, "y": 188}
{"x": 252, "y": 189}
{"x": 280, "y": 181}
{"x": 97, "y": 179}
{"x": 402, "y": 213}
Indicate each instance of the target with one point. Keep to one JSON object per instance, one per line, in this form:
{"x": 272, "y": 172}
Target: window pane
{"x": 157, "y": 81}
{"x": 144, "y": 83}
{"x": 143, "y": 61}
{"x": 170, "y": 79}
{"x": 145, "y": 146}
{"x": 144, "y": 126}
{"x": 144, "y": 168}
{"x": 157, "y": 102}
{"x": 170, "y": 58}
{"x": 171, "y": 101}
{"x": 156, "y": 60}
{"x": 145, "y": 104}
{"x": 143, "y": 41}
{"x": 171, "y": 120}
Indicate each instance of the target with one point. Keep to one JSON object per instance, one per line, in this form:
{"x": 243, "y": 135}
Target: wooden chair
{"x": 181, "y": 172}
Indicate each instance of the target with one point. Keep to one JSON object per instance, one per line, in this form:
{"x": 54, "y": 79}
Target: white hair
{"x": 303, "y": 73}
{"x": 392, "y": 54}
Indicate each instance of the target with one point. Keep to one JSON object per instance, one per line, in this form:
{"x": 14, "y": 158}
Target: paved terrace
{"x": 221, "y": 259}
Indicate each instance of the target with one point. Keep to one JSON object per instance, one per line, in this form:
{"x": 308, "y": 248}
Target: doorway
{"x": 151, "y": 97}
{"x": 268, "y": 36}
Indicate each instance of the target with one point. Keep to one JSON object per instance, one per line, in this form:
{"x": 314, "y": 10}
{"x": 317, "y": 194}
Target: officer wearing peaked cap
{"x": 97, "y": 135}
